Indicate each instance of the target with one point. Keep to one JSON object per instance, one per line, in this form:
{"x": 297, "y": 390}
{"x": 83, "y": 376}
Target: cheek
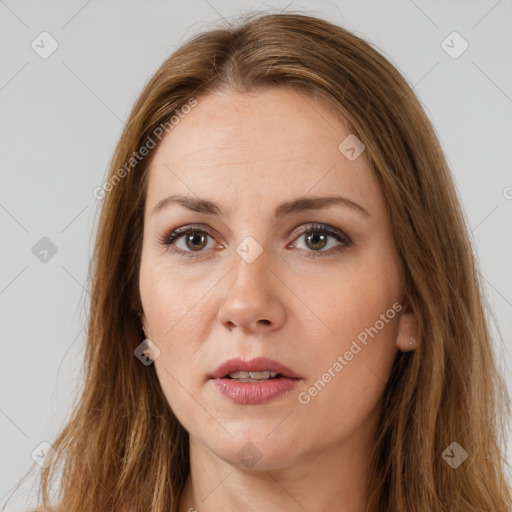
{"x": 350, "y": 368}
{"x": 166, "y": 296}
{"x": 176, "y": 316}
{"x": 179, "y": 329}
{"x": 358, "y": 308}
{"x": 354, "y": 298}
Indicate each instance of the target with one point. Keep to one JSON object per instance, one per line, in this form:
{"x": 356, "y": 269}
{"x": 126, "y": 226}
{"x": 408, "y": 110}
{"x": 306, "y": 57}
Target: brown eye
{"x": 188, "y": 241}
{"x": 315, "y": 237}
{"x": 191, "y": 241}
{"x": 196, "y": 240}
{"x": 315, "y": 240}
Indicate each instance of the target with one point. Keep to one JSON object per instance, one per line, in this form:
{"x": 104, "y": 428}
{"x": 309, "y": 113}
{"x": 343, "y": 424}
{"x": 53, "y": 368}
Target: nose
{"x": 254, "y": 296}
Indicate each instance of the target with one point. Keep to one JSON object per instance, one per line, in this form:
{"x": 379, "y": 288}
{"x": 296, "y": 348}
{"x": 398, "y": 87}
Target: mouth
{"x": 254, "y": 382}
{"x": 253, "y": 376}
{"x": 254, "y": 370}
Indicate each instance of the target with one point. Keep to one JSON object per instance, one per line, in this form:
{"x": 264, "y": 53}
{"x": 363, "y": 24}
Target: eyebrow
{"x": 286, "y": 208}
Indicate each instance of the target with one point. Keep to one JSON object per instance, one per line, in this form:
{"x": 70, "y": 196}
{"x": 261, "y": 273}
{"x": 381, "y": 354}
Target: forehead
{"x": 267, "y": 143}
{"x": 271, "y": 123}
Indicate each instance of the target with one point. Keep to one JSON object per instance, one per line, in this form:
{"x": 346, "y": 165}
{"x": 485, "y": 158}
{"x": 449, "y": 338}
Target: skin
{"x": 250, "y": 152}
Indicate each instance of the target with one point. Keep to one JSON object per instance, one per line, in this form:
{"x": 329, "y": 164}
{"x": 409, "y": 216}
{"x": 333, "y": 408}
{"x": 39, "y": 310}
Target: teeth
{"x": 250, "y": 376}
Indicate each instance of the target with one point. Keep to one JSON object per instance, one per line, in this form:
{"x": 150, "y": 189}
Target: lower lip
{"x": 254, "y": 392}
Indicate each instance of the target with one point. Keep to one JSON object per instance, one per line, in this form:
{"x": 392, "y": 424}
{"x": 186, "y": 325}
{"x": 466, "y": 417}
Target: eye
{"x": 191, "y": 241}
{"x": 316, "y": 238}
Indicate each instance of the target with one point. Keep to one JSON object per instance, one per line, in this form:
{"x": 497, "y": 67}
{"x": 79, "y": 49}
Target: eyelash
{"x": 169, "y": 238}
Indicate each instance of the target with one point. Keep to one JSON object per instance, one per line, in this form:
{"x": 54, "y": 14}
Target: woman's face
{"x": 315, "y": 287}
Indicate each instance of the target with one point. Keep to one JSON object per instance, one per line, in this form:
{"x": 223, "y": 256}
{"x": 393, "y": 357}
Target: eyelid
{"x": 316, "y": 226}
{"x": 169, "y": 237}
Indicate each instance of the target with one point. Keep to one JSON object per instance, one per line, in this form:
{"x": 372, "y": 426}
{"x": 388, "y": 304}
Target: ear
{"x": 407, "y": 335}
{"x": 142, "y": 319}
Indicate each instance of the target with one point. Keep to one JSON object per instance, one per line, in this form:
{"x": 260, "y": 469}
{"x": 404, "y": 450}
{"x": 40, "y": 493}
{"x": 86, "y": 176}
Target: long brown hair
{"x": 123, "y": 449}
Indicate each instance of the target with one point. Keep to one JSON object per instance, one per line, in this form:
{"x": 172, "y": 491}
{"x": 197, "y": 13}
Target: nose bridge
{"x": 251, "y": 263}
{"x": 250, "y": 297}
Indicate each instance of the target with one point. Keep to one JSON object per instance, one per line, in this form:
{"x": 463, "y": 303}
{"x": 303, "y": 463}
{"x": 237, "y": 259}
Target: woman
{"x": 229, "y": 364}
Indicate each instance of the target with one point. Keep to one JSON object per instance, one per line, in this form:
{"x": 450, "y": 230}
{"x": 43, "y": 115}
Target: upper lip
{"x": 258, "y": 364}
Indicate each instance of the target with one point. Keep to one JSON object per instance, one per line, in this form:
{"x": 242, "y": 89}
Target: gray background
{"x": 62, "y": 116}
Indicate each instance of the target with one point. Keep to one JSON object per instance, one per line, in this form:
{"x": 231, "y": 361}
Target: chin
{"x": 255, "y": 450}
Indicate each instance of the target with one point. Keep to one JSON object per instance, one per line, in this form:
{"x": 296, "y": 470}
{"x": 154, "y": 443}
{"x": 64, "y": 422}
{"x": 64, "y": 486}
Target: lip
{"x": 252, "y": 393}
{"x": 258, "y": 364}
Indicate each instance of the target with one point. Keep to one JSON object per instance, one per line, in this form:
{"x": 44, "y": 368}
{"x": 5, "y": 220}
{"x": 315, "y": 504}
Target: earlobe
{"x": 406, "y": 339}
